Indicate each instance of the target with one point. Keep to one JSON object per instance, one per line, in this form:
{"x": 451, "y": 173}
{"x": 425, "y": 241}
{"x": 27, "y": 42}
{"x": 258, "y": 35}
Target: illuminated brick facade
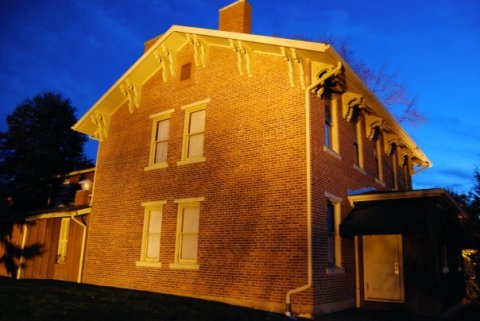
{"x": 253, "y": 182}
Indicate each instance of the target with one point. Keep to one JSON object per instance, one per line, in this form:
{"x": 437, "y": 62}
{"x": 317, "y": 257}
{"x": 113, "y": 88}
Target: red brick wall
{"x": 236, "y": 17}
{"x": 252, "y": 243}
{"x": 252, "y": 240}
{"x": 338, "y": 176}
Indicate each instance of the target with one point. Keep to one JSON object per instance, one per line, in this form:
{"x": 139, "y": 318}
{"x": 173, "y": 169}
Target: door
{"x": 383, "y": 268}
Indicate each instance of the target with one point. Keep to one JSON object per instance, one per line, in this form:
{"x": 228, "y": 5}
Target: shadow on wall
{"x": 12, "y": 255}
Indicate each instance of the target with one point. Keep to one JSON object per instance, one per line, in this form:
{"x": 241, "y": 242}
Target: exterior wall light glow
{"x": 86, "y": 185}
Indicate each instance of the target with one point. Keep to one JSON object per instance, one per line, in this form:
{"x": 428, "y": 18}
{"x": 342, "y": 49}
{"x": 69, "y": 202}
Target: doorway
{"x": 383, "y": 268}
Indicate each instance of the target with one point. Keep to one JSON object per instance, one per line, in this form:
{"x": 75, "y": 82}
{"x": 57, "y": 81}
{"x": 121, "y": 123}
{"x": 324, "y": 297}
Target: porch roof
{"x": 403, "y": 213}
{"x": 386, "y": 217}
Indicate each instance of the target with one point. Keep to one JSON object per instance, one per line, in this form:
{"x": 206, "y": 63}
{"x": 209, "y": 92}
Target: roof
{"x": 297, "y": 54}
{"x": 438, "y": 193}
{"x": 66, "y": 211}
{"x": 401, "y": 213}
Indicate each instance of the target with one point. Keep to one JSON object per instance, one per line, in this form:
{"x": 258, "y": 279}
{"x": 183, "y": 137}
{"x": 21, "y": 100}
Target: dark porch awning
{"x": 399, "y": 216}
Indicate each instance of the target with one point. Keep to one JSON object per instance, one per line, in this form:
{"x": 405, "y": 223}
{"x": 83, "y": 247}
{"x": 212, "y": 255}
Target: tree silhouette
{"x": 384, "y": 82}
{"x": 470, "y": 202}
{"x": 11, "y": 253}
{"x": 38, "y": 145}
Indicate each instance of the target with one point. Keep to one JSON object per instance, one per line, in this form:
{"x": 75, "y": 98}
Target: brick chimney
{"x": 236, "y": 17}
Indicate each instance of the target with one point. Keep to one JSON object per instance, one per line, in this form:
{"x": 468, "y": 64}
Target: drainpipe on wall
{"x": 82, "y": 251}
{"x": 307, "y": 286}
{"x": 24, "y": 241}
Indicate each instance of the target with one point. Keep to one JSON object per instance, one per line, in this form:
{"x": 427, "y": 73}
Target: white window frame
{"x": 156, "y": 119}
{"x": 358, "y": 140}
{"x": 378, "y": 157}
{"x": 394, "y": 160}
{"x": 331, "y": 143}
{"x": 179, "y": 262}
{"x": 63, "y": 240}
{"x": 334, "y": 251}
{"x": 189, "y": 110}
{"x": 144, "y": 259}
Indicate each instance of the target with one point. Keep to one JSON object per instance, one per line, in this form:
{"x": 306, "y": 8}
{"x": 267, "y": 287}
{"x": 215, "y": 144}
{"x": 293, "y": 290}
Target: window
{"x": 185, "y": 71}
{"x": 159, "y": 140}
{"x": 406, "y": 171}
{"x": 330, "y": 129}
{"x": 63, "y": 240}
{"x": 331, "y": 234}
{"x": 334, "y": 243}
{"x": 356, "y": 151}
{"x": 328, "y": 125}
{"x": 194, "y": 133}
{"x": 357, "y": 141}
{"x": 394, "y": 170}
{"x": 188, "y": 222}
{"x": 152, "y": 229}
{"x": 377, "y": 155}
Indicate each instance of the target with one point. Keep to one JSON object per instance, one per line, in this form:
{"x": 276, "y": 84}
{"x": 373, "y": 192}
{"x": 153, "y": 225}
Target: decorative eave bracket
{"x": 132, "y": 92}
{"x": 166, "y": 58}
{"x": 406, "y": 157}
{"x": 390, "y": 141}
{"x": 243, "y": 57}
{"x": 199, "y": 50}
{"x": 352, "y": 103}
{"x": 372, "y": 123}
{"x": 293, "y": 58}
{"x": 102, "y": 123}
{"x": 331, "y": 81}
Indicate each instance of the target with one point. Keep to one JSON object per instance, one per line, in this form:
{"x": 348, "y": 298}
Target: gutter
{"x": 24, "y": 241}
{"x": 82, "y": 251}
{"x": 307, "y": 286}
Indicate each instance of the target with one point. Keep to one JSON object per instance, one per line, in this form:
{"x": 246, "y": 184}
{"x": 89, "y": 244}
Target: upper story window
{"x": 159, "y": 140}
{"x": 356, "y": 149}
{"x": 330, "y": 128}
{"x": 394, "y": 170}
{"x": 377, "y": 155}
{"x": 357, "y": 141}
{"x": 194, "y": 133}
{"x": 328, "y": 125}
{"x": 186, "y": 71}
{"x": 406, "y": 172}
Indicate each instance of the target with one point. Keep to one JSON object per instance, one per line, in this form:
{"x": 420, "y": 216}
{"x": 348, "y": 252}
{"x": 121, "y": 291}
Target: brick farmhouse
{"x": 262, "y": 172}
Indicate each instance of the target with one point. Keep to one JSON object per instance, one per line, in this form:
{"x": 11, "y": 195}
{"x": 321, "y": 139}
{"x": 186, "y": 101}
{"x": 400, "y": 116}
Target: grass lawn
{"x": 54, "y": 300}
{"x": 34, "y": 300}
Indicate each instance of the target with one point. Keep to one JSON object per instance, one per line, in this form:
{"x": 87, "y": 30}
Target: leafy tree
{"x": 38, "y": 145}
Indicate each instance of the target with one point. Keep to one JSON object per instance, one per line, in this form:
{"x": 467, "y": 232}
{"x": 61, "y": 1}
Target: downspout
{"x": 82, "y": 251}
{"x": 307, "y": 286}
{"x": 24, "y": 241}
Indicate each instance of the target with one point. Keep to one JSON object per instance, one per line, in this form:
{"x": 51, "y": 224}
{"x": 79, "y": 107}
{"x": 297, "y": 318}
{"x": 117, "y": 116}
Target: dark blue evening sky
{"x": 80, "y": 48}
